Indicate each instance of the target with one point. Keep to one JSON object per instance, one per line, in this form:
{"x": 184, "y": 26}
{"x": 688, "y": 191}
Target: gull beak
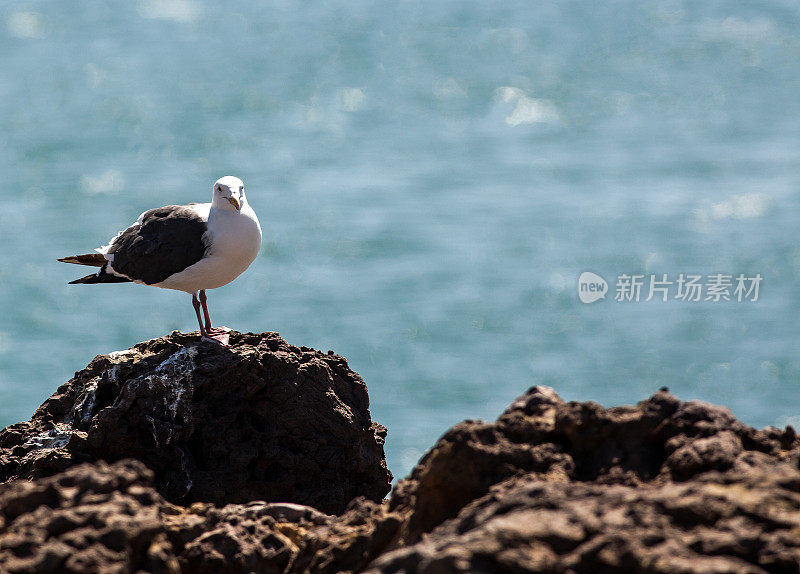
{"x": 235, "y": 203}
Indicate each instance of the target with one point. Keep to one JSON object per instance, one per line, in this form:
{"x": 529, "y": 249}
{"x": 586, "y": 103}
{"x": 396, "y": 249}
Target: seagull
{"x": 188, "y": 248}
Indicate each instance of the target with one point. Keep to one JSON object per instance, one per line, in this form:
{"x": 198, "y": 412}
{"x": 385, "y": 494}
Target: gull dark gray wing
{"x": 163, "y": 242}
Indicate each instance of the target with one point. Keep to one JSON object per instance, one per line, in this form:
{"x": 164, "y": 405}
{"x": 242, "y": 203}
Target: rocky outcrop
{"x": 551, "y": 486}
{"x": 97, "y": 517}
{"x": 741, "y": 523}
{"x": 108, "y": 518}
{"x": 349, "y": 542}
{"x": 259, "y": 420}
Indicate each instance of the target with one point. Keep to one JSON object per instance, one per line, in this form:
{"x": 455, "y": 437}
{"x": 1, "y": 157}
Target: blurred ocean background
{"x": 431, "y": 178}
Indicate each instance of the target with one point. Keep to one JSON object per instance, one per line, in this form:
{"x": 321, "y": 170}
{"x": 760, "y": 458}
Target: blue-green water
{"x": 431, "y": 179}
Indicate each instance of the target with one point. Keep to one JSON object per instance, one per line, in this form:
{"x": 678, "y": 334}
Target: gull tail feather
{"x": 93, "y": 259}
{"x": 101, "y": 277}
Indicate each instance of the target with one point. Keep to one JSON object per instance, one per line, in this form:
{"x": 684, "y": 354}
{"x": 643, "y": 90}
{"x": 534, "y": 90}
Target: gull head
{"x": 228, "y": 193}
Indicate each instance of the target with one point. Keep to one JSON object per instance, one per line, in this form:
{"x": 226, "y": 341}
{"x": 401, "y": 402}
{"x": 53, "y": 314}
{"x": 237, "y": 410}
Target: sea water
{"x": 432, "y": 179}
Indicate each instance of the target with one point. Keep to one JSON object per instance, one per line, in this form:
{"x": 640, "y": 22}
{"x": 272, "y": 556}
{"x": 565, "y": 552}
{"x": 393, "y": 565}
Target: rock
{"x": 551, "y": 486}
{"x": 660, "y": 440}
{"x": 259, "y": 420}
{"x": 97, "y": 517}
{"x": 87, "y": 519}
{"x": 666, "y": 486}
{"x": 108, "y": 518}
{"x": 349, "y": 542}
{"x": 712, "y": 524}
{"x": 257, "y": 537}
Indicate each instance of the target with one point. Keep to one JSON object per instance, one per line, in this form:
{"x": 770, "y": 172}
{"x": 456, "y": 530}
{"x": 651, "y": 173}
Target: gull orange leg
{"x": 216, "y": 334}
{"x": 205, "y": 309}
{"x": 196, "y": 305}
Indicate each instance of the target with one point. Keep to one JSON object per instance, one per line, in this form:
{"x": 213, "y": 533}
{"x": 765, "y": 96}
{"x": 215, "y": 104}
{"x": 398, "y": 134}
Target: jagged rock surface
{"x": 259, "y": 420}
{"x": 552, "y": 486}
{"x": 739, "y": 523}
{"x": 349, "y": 542}
{"x": 97, "y": 517}
{"x": 665, "y": 486}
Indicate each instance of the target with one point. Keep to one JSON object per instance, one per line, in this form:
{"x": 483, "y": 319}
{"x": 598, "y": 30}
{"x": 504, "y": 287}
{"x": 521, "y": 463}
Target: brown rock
{"x": 551, "y": 486}
{"x": 257, "y": 537}
{"x": 545, "y": 438}
{"x": 349, "y": 542}
{"x": 738, "y": 523}
{"x": 107, "y": 518}
{"x": 88, "y": 519}
{"x": 259, "y": 420}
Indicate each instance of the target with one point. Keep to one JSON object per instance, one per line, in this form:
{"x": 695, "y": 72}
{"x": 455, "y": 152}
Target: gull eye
{"x": 241, "y": 188}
